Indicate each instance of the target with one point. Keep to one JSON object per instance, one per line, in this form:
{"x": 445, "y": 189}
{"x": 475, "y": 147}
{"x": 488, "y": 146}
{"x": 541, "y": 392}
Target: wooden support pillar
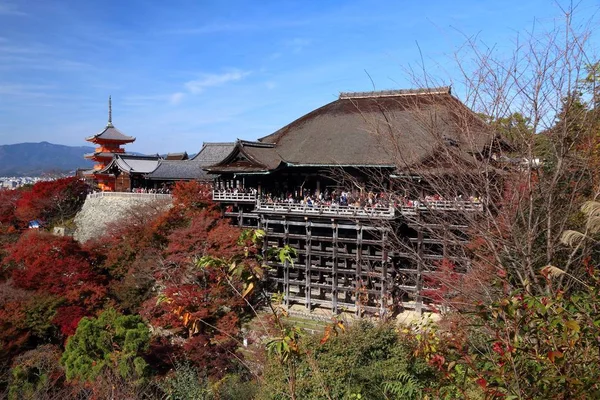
{"x": 240, "y": 216}
{"x": 334, "y": 272}
{"x": 357, "y": 275}
{"x": 286, "y": 265}
{"x": 384, "y": 282}
{"x": 419, "y": 277}
{"x": 308, "y": 257}
{"x": 445, "y": 242}
{"x": 265, "y": 225}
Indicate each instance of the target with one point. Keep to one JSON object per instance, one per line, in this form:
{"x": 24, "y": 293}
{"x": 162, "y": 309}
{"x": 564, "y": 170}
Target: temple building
{"x": 374, "y": 192}
{"x": 127, "y": 172}
{"x": 350, "y": 186}
{"x": 108, "y": 142}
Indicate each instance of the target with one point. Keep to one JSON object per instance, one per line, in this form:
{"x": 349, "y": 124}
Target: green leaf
{"x": 573, "y": 325}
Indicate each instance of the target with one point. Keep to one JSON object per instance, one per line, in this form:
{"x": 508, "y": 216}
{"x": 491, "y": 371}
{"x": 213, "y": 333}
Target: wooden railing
{"x": 130, "y": 195}
{"x": 326, "y": 210}
{"x": 348, "y": 211}
{"x": 234, "y": 197}
{"x": 444, "y": 205}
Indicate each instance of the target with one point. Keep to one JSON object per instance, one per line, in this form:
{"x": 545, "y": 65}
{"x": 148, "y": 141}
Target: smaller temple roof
{"x": 110, "y": 132}
{"x": 191, "y": 169}
{"x": 212, "y": 153}
{"x": 177, "y": 156}
{"x": 177, "y": 170}
{"x": 132, "y": 163}
{"x": 248, "y": 157}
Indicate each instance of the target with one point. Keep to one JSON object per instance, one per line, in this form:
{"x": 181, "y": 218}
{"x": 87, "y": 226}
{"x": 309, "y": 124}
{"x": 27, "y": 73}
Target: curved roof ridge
{"x": 251, "y": 143}
{"x": 397, "y": 92}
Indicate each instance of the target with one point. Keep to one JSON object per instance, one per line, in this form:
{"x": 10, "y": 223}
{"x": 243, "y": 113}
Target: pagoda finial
{"x": 109, "y": 112}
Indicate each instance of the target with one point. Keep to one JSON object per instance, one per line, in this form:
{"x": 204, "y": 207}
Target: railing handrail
{"x": 326, "y": 209}
{"x": 129, "y": 195}
{"x": 222, "y": 195}
{"x": 349, "y": 210}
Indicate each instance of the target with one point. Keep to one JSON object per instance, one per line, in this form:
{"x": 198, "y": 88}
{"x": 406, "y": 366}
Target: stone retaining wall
{"x": 100, "y": 212}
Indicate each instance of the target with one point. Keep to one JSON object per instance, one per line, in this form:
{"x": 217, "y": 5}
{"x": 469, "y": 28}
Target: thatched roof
{"x": 379, "y": 129}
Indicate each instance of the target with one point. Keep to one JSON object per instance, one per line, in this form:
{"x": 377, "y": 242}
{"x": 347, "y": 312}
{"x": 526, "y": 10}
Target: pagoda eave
{"x": 95, "y": 157}
{"x": 103, "y": 175}
{"x": 97, "y": 140}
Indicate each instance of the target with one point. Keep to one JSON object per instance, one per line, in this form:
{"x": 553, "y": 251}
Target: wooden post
{"x": 357, "y": 275}
{"x": 383, "y": 274}
{"x": 334, "y": 272}
{"x": 445, "y": 242}
{"x": 286, "y": 266}
{"x": 419, "y": 278}
{"x": 308, "y": 265}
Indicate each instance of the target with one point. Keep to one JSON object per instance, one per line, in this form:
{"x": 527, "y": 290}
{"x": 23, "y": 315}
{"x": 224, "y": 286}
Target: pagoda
{"x": 108, "y": 142}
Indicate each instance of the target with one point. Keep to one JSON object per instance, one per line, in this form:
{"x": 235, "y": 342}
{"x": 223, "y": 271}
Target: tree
{"x": 530, "y": 188}
{"x": 55, "y": 265}
{"x": 111, "y": 341}
{"x": 8, "y": 207}
{"x": 52, "y": 201}
{"x": 36, "y": 374}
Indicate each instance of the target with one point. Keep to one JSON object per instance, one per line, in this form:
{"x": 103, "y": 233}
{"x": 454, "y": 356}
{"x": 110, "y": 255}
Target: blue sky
{"x": 183, "y": 72}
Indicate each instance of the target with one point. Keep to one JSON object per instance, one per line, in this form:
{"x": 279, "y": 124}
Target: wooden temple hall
{"x": 346, "y": 186}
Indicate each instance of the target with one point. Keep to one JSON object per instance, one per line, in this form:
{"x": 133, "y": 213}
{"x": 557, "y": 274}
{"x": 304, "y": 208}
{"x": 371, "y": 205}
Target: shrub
{"x": 111, "y": 341}
{"x": 368, "y": 361}
{"x": 36, "y": 373}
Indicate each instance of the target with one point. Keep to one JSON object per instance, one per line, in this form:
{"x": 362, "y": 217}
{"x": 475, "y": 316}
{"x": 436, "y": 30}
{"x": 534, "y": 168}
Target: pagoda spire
{"x": 109, "y": 112}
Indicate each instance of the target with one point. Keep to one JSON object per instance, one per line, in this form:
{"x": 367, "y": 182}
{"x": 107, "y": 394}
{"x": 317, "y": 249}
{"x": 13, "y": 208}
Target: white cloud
{"x": 192, "y": 87}
{"x": 212, "y": 80}
{"x": 176, "y": 98}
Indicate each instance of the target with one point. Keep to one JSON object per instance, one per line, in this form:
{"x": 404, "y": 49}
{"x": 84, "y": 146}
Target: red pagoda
{"x": 108, "y": 143}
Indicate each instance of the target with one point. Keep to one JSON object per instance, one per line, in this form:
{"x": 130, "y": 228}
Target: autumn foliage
{"x": 146, "y": 265}
{"x": 51, "y": 201}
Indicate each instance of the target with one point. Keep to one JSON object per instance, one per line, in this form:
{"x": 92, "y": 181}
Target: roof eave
{"x": 289, "y": 164}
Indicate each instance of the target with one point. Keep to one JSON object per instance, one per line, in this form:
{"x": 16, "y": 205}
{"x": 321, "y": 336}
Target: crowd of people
{"x": 345, "y": 197}
{"x": 335, "y": 197}
{"x": 161, "y": 190}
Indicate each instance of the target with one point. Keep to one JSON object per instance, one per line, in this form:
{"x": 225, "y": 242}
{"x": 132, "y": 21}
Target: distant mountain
{"x": 35, "y": 159}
